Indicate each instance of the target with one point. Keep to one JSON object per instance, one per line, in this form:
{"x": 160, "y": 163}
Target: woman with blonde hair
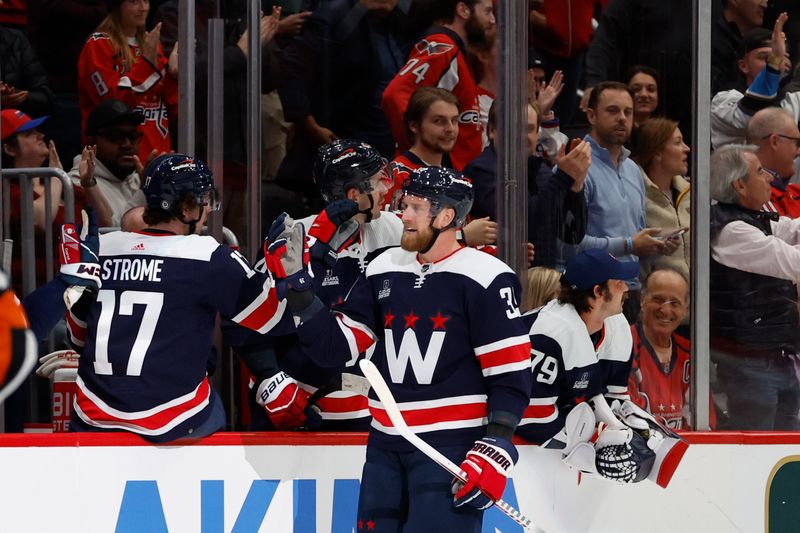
{"x": 664, "y": 160}
{"x": 123, "y": 61}
{"x": 542, "y": 285}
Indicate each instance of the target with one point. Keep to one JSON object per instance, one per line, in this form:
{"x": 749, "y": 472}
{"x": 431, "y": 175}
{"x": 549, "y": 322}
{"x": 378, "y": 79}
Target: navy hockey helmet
{"x": 169, "y": 177}
{"x": 343, "y": 164}
{"x": 443, "y": 187}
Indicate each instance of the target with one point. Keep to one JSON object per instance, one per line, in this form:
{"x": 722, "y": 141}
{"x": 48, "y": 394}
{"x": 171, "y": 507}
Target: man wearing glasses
{"x": 112, "y": 131}
{"x": 775, "y": 134}
{"x": 755, "y": 265}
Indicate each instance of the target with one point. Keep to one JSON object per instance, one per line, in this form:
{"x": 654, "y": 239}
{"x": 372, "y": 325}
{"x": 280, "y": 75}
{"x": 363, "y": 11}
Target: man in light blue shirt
{"x": 614, "y": 187}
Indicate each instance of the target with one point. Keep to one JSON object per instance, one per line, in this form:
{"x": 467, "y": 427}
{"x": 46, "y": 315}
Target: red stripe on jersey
{"x": 77, "y": 331}
{"x": 504, "y": 356}
{"x": 343, "y": 405}
{"x": 363, "y": 339}
{"x": 539, "y": 411}
{"x": 156, "y": 421}
{"x": 431, "y": 415}
{"x": 263, "y": 313}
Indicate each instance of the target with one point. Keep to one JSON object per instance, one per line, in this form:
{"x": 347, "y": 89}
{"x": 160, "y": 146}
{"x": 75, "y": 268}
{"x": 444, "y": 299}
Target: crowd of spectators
{"x": 609, "y": 142}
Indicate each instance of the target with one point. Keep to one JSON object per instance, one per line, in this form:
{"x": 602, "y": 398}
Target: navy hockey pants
{"x": 408, "y": 492}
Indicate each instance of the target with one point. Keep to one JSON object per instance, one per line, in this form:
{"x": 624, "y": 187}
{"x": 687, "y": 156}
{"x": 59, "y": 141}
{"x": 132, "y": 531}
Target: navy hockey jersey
{"x": 570, "y": 367}
{"x": 147, "y": 339}
{"x": 447, "y": 337}
{"x": 340, "y": 410}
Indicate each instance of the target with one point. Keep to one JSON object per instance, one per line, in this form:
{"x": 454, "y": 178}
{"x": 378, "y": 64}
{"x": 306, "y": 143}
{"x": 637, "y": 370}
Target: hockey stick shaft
{"x": 393, "y": 411}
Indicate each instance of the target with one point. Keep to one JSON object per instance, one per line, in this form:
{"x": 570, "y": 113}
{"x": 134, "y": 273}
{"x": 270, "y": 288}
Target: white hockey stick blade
{"x": 393, "y": 411}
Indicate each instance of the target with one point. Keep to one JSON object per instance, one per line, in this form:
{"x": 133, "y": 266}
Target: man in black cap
{"x": 112, "y": 130}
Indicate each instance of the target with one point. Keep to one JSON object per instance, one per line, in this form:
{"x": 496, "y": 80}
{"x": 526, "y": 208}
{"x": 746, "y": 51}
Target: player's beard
{"x": 418, "y": 241}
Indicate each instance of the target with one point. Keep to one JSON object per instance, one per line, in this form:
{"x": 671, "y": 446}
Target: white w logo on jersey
{"x": 409, "y": 349}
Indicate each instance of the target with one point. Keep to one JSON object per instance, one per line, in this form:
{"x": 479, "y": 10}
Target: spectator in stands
{"x": 755, "y": 264}
{"x": 645, "y": 32}
{"x": 24, "y": 147}
{"x": 61, "y": 28}
{"x": 112, "y": 129}
{"x": 643, "y": 85}
{"x": 727, "y": 32}
{"x": 663, "y": 159}
{"x": 439, "y": 59}
{"x": 432, "y": 127}
{"x": 431, "y": 120}
{"x": 23, "y": 80}
{"x": 659, "y": 379}
{"x": 762, "y": 62}
{"x": 542, "y": 285}
{"x": 775, "y": 134}
{"x": 122, "y": 61}
{"x": 357, "y": 45}
{"x": 556, "y": 204}
{"x": 614, "y": 186}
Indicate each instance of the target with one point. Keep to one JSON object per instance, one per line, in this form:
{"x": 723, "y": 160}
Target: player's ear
{"x": 444, "y": 218}
{"x": 352, "y": 194}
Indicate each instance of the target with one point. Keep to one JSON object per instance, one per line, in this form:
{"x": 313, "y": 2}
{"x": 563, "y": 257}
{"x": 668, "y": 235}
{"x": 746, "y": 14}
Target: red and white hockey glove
{"x": 486, "y": 468}
{"x": 286, "y": 403}
{"x": 80, "y": 265}
{"x": 286, "y": 256}
{"x": 333, "y": 230}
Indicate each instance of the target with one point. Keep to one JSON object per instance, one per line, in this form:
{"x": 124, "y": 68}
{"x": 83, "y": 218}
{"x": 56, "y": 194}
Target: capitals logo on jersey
{"x": 409, "y": 350}
{"x": 432, "y": 48}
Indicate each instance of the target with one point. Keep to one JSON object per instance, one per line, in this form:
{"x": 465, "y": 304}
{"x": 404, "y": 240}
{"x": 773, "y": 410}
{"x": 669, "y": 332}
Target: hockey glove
{"x": 48, "y": 364}
{"x": 332, "y": 231}
{"x": 486, "y": 468}
{"x": 286, "y": 403}
{"x": 623, "y": 456}
{"x": 78, "y": 254}
{"x": 286, "y": 256}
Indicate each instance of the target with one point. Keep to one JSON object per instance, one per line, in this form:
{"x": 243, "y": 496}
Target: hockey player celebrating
{"x": 455, "y": 305}
{"x": 343, "y": 239}
{"x": 147, "y": 338}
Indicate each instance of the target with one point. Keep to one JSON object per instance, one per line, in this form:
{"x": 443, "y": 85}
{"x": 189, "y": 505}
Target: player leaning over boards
{"x": 581, "y": 348}
{"x": 146, "y": 340}
{"x": 455, "y": 305}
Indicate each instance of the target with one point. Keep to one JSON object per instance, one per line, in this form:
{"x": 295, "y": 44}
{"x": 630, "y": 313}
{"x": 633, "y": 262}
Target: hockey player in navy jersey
{"x": 147, "y": 337}
{"x": 442, "y": 325}
{"x": 343, "y": 239}
{"x": 580, "y": 348}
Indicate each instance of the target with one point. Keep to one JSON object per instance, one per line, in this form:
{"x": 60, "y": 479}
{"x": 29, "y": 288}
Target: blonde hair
{"x": 542, "y": 285}
{"x": 112, "y": 26}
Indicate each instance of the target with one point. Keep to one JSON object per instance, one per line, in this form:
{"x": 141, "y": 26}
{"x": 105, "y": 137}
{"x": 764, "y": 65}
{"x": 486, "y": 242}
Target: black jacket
{"x": 20, "y": 68}
{"x": 751, "y": 314}
{"x": 555, "y": 213}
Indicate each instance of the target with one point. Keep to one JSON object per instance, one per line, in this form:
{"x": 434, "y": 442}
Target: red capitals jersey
{"x": 786, "y": 203}
{"x": 662, "y": 389}
{"x": 400, "y": 168}
{"x": 439, "y": 59}
{"x": 146, "y": 88}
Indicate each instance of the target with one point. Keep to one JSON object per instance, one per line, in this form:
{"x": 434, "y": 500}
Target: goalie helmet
{"x": 443, "y": 187}
{"x": 169, "y": 177}
{"x": 625, "y": 463}
{"x": 343, "y": 164}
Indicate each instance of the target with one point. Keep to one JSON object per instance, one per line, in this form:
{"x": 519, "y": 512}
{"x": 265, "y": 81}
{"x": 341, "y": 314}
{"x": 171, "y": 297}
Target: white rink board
{"x": 204, "y": 488}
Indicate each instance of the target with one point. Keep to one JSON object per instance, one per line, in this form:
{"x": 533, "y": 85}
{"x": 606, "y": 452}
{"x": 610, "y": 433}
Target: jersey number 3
{"x": 153, "y": 302}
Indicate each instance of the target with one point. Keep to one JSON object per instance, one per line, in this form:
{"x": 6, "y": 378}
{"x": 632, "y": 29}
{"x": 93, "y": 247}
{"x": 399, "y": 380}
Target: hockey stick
{"x": 385, "y": 396}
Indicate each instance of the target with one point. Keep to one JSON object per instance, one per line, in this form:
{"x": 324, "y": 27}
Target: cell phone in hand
{"x": 671, "y": 235}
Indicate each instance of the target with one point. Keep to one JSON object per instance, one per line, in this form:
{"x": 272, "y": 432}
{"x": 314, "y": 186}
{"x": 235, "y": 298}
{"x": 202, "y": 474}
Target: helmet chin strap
{"x": 435, "y": 235}
{"x": 368, "y": 211}
{"x": 191, "y": 223}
